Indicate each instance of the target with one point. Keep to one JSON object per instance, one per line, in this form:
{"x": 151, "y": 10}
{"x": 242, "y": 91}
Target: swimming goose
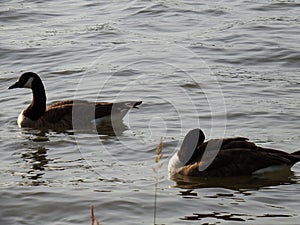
{"x": 59, "y": 114}
{"x": 226, "y": 157}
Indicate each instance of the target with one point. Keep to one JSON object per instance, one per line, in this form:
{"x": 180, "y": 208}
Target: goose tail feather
{"x": 135, "y": 104}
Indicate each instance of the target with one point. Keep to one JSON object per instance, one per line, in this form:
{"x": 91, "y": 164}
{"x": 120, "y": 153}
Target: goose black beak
{"x": 15, "y": 85}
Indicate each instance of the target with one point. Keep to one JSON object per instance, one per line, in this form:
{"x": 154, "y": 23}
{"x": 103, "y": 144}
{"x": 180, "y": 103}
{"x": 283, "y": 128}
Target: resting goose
{"x": 226, "y": 157}
{"x": 60, "y": 115}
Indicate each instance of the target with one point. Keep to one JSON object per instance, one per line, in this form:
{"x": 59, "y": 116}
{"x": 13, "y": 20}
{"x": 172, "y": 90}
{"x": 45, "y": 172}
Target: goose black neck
{"x": 38, "y": 105}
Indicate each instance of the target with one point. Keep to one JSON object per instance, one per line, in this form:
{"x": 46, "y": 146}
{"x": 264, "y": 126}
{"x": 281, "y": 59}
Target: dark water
{"x": 231, "y": 68}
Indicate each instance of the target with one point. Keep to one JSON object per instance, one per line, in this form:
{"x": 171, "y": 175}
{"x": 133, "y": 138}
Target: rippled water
{"x": 230, "y": 67}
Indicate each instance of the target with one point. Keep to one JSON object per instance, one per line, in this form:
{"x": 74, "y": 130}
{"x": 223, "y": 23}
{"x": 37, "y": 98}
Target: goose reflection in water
{"x": 232, "y": 188}
{"x": 115, "y": 128}
{"x": 239, "y": 183}
{"x": 235, "y": 189}
{"x": 37, "y": 159}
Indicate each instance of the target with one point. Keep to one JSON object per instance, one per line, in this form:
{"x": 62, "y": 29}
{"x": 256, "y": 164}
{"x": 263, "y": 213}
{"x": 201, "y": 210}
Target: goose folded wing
{"x": 244, "y": 161}
{"x": 238, "y": 142}
{"x": 58, "y": 112}
{"x": 235, "y": 162}
{"x": 103, "y": 109}
{"x": 67, "y": 102}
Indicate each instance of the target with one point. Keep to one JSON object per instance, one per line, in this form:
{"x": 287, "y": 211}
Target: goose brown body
{"x": 66, "y": 114}
{"x": 232, "y": 157}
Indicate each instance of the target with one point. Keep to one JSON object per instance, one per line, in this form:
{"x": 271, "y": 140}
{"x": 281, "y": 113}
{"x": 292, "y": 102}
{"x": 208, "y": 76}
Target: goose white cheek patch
{"x": 28, "y": 84}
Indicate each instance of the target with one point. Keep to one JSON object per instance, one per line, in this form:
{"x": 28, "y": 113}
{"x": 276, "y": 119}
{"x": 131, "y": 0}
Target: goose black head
{"x": 191, "y": 141}
{"x": 26, "y": 80}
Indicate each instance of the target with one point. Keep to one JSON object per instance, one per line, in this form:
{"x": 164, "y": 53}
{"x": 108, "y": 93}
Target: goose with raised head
{"x": 65, "y": 114}
{"x": 226, "y": 157}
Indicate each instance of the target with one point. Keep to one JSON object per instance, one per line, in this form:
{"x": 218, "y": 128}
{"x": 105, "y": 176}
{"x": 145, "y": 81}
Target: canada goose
{"x": 65, "y": 114}
{"x": 226, "y": 157}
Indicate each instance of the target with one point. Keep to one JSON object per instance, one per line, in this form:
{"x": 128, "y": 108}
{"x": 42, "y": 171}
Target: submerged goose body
{"x": 65, "y": 114}
{"x": 226, "y": 157}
